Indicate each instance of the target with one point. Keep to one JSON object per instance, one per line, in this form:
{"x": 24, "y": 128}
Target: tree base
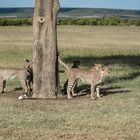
{"x": 41, "y": 96}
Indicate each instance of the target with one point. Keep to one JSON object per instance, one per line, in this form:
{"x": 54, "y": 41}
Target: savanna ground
{"x": 115, "y": 117}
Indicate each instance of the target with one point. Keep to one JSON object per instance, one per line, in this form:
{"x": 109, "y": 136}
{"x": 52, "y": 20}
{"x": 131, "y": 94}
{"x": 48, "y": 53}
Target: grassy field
{"x": 115, "y": 117}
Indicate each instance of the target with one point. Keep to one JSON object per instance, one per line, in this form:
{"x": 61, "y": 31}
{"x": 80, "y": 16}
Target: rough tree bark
{"x": 45, "y": 68}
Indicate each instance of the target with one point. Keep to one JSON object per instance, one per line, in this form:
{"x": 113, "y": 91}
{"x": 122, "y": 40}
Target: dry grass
{"x": 115, "y": 117}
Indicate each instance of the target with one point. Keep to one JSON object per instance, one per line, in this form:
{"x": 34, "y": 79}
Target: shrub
{"x": 15, "y": 21}
{"x": 107, "y": 21}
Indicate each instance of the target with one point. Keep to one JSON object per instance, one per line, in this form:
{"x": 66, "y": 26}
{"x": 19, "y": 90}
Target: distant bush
{"x": 137, "y": 23}
{"x": 15, "y": 21}
{"x": 107, "y": 21}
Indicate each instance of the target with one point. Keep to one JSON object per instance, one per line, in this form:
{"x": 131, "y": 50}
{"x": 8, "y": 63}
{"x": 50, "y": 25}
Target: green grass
{"x": 116, "y": 116}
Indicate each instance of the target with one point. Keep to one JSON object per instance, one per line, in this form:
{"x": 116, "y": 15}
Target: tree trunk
{"x": 45, "y": 64}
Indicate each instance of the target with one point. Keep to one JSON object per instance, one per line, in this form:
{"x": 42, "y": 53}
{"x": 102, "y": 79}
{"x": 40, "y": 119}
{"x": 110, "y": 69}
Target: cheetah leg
{"x": 69, "y": 87}
{"x": 3, "y": 86}
{"x": 98, "y": 92}
{"x": 92, "y": 92}
{"x": 28, "y": 86}
{"x": 72, "y": 90}
{"x": 24, "y": 86}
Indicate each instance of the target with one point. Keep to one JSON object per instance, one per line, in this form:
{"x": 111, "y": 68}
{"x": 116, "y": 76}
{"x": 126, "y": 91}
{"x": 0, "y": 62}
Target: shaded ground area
{"x": 82, "y": 91}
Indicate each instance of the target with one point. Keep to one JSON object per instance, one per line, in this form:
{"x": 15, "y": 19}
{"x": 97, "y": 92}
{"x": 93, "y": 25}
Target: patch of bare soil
{"x": 11, "y": 94}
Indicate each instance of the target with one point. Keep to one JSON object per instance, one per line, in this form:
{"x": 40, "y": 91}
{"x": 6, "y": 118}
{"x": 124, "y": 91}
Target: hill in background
{"x": 73, "y": 12}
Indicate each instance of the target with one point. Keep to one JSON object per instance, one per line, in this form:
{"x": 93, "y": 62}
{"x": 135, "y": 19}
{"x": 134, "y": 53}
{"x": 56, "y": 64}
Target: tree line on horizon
{"x": 106, "y": 21}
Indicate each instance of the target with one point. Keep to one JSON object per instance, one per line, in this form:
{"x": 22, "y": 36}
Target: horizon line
{"x": 78, "y": 8}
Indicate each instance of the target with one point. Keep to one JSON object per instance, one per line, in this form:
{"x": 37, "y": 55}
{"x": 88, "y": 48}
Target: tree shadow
{"x": 130, "y": 60}
{"x": 85, "y": 90}
{"x": 113, "y": 90}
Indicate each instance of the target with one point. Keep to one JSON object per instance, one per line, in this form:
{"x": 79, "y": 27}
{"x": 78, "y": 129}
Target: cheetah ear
{"x": 99, "y": 65}
{"x": 28, "y": 61}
